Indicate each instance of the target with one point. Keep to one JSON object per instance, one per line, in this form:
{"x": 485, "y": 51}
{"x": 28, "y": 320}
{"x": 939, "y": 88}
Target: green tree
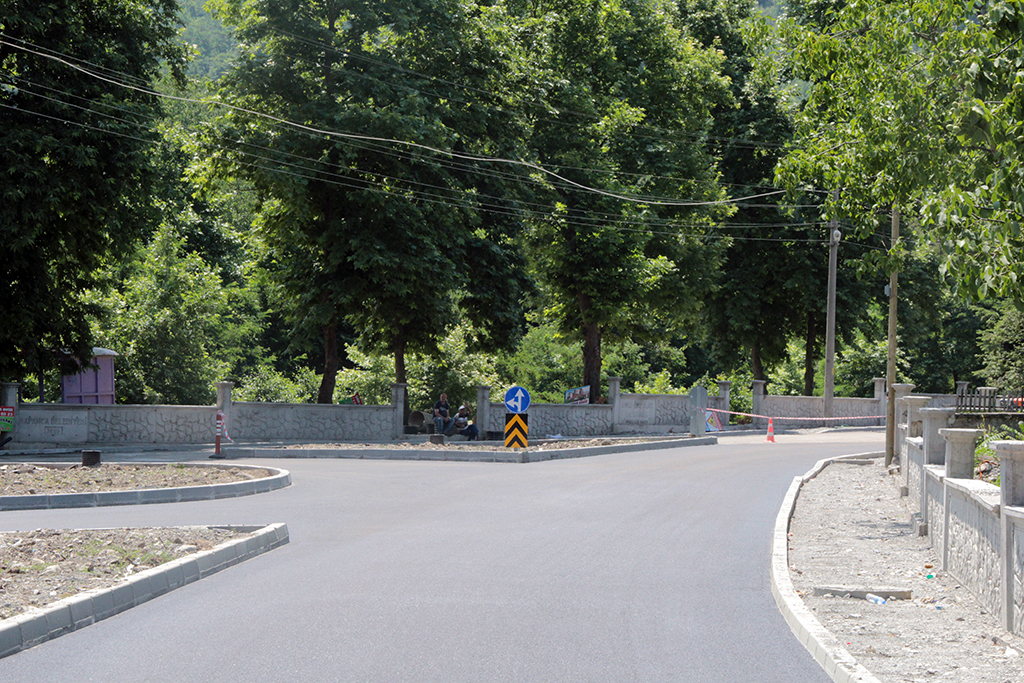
{"x": 1002, "y": 348}
{"x": 77, "y": 173}
{"x": 164, "y": 325}
{"x": 629, "y": 94}
{"x": 373, "y": 231}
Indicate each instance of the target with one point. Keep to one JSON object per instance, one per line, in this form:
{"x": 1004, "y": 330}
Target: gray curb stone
{"x": 513, "y": 456}
{"x": 39, "y": 625}
{"x": 280, "y": 479}
{"x": 836, "y": 660}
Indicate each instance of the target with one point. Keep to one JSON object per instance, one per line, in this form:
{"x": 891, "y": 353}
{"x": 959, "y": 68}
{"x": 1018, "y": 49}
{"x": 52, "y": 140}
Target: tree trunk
{"x": 755, "y": 361}
{"x": 810, "y": 343}
{"x": 591, "y": 350}
{"x": 331, "y": 364}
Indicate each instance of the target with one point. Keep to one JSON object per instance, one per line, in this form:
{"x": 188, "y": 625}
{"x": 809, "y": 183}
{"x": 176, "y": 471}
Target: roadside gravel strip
{"x": 173, "y": 494}
{"x": 54, "y": 620}
{"x": 843, "y": 531}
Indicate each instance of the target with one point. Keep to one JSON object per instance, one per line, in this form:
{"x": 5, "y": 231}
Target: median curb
{"x": 180, "y": 494}
{"x": 510, "y": 456}
{"x": 836, "y": 660}
{"x": 70, "y": 614}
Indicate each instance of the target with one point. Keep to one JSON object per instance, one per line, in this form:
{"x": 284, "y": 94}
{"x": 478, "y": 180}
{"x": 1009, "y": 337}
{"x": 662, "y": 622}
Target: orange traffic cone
{"x": 771, "y": 431}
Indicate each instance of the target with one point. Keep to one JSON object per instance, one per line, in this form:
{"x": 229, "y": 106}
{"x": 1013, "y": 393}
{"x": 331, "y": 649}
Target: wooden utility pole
{"x": 830, "y": 322}
{"x": 890, "y": 369}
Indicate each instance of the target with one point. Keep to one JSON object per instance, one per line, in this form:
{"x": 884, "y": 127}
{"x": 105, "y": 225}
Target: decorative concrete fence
{"x": 976, "y": 528}
{"x": 52, "y": 425}
{"x": 802, "y": 411}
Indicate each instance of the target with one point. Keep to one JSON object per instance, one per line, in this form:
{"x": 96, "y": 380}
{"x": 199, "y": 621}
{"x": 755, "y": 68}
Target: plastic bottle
{"x": 878, "y": 600}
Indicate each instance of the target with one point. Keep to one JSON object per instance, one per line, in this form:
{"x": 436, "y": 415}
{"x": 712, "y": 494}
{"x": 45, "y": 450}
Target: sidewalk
{"x": 851, "y": 531}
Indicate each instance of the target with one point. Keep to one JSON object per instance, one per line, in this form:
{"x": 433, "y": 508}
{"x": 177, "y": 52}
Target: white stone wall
{"x": 316, "y": 422}
{"x": 915, "y": 469}
{"x": 63, "y": 424}
{"x": 549, "y": 419}
{"x": 806, "y": 407}
{"x": 640, "y": 412}
{"x": 935, "y": 504}
{"x": 1015, "y": 521}
{"x": 973, "y": 548}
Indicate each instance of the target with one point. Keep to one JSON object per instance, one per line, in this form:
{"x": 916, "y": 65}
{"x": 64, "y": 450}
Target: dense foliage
{"x": 453, "y": 193}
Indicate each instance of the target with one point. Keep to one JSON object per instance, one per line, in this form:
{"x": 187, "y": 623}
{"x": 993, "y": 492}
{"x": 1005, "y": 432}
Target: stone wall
{"x": 551, "y": 419}
{"x": 273, "y": 421}
{"x": 976, "y": 528}
{"x": 41, "y": 424}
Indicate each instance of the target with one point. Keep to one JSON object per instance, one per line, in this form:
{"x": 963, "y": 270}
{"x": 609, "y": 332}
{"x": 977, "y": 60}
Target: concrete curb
{"x": 823, "y": 646}
{"x": 513, "y": 456}
{"x": 181, "y": 494}
{"x": 39, "y": 625}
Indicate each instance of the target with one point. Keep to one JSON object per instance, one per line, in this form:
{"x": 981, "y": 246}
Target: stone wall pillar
{"x": 614, "y": 393}
{"x": 881, "y": 397}
{"x": 1011, "y": 490}
{"x": 757, "y": 389}
{"x": 725, "y": 393}
{"x": 398, "y": 405}
{"x": 483, "y": 409}
{"x": 914, "y": 405}
{"x": 961, "y": 388}
{"x": 698, "y": 419}
{"x": 960, "y": 445}
{"x": 9, "y": 398}
{"x": 224, "y": 402}
{"x": 900, "y": 391}
{"x": 933, "y": 420}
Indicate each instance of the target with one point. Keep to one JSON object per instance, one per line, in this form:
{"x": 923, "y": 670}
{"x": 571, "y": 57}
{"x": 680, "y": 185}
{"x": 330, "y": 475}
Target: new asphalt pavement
{"x": 649, "y": 566}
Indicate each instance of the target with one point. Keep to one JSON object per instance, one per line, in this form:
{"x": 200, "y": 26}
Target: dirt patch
{"x": 484, "y": 445}
{"x": 22, "y": 479}
{"x": 46, "y": 565}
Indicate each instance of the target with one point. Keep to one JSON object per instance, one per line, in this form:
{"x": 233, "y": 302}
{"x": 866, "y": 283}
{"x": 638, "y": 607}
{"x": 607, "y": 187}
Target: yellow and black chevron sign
{"x": 515, "y": 430}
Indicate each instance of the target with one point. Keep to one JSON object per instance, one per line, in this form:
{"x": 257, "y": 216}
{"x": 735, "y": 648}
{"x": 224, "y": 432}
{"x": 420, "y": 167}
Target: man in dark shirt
{"x": 443, "y": 423}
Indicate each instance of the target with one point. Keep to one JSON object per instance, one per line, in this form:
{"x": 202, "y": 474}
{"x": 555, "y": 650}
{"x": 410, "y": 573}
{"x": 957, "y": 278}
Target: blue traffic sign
{"x": 517, "y": 400}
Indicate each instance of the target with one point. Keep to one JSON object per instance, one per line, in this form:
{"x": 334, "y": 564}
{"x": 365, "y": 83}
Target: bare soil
{"x": 46, "y": 565}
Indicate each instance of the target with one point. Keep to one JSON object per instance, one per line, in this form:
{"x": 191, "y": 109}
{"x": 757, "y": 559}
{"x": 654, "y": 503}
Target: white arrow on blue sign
{"x": 517, "y": 400}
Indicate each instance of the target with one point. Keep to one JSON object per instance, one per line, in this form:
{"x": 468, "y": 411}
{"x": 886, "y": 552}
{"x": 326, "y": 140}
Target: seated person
{"x": 443, "y": 422}
{"x": 462, "y": 425}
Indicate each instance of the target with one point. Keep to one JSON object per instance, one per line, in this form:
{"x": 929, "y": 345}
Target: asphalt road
{"x": 635, "y": 567}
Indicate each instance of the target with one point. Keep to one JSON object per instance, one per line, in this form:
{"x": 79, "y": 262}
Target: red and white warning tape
{"x": 814, "y": 419}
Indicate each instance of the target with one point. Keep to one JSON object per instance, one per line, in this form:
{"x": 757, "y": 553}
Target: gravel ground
{"x": 452, "y": 445}
{"x": 852, "y": 529}
{"x": 45, "y": 565}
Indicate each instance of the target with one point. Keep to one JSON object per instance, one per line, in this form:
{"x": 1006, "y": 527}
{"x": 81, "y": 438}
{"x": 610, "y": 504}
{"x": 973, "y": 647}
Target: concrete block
{"x": 72, "y": 500}
{"x": 81, "y": 607}
{"x": 142, "y": 588}
{"x": 103, "y": 605}
{"x": 149, "y": 496}
{"x": 224, "y": 491}
{"x": 106, "y": 498}
{"x": 196, "y": 493}
{"x": 208, "y": 563}
{"x": 23, "y": 502}
{"x": 123, "y": 598}
{"x": 10, "y": 637}
{"x": 33, "y": 628}
{"x": 174, "y": 575}
{"x": 190, "y": 570}
{"x": 58, "y": 620}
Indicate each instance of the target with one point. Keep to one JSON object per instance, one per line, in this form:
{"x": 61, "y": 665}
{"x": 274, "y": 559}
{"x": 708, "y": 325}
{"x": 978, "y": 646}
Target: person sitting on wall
{"x": 443, "y": 423}
{"x": 462, "y": 425}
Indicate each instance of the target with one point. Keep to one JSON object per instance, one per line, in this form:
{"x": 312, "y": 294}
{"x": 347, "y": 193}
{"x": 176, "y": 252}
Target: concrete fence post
{"x": 960, "y": 445}
{"x": 483, "y": 409}
{"x": 9, "y": 399}
{"x": 614, "y": 394}
{"x": 725, "y": 393}
{"x": 880, "y": 396}
{"x": 757, "y": 389}
{"x": 901, "y": 391}
{"x": 1011, "y": 490}
{"x": 932, "y": 421}
{"x": 698, "y": 419}
{"x": 224, "y": 402}
{"x": 398, "y": 405}
{"x": 914, "y": 405}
